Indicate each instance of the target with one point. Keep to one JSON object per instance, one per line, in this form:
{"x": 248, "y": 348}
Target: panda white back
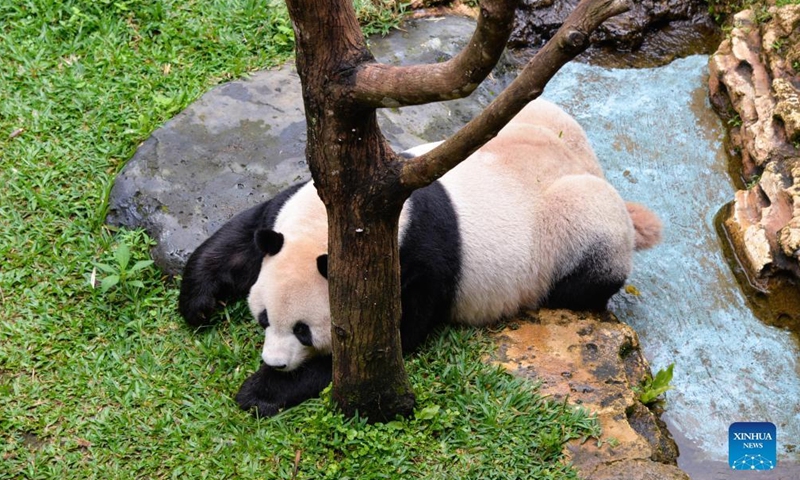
{"x": 512, "y": 198}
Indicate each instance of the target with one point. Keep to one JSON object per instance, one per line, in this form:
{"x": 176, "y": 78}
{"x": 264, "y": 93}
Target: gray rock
{"x": 238, "y": 145}
{"x": 244, "y": 141}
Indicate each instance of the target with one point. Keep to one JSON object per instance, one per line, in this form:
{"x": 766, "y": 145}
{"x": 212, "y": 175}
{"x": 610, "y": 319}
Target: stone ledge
{"x": 594, "y": 361}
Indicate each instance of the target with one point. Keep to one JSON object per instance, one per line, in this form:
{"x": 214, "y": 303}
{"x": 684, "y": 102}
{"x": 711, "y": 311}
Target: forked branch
{"x": 569, "y": 41}
{"x": 379, "y": 85}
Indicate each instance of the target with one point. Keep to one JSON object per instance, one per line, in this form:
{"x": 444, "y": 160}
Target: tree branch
{"x": 569, "y": 41}
{"x": 378, "y": 85}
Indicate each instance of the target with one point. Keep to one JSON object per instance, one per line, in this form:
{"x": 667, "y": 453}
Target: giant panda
{"x": 527, "y": 220}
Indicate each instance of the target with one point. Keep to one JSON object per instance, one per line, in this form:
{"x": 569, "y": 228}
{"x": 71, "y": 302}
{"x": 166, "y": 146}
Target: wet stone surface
{"x": 660, "y": 144}
{"x": 244, "y": 141}
{"x": 236, "y": 146}
{"x": 651, "y": 33}
{"x": 753, "y": 85}
{"x": 593, "y": 361}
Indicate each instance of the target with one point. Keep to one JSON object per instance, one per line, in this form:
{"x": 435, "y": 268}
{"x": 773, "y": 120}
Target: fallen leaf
{"x": 632, "y": 290}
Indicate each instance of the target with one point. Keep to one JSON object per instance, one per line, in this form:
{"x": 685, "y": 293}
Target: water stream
{"x": 661, "y": 144}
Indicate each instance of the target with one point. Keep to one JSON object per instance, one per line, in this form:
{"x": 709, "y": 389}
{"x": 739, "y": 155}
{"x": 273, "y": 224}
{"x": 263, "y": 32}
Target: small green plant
{"x": 763, "y": 14}
{"x": 735, "y": 121}
{"x": 119, "y": 275}
{"x": 753, "y": 182}
{"x": 654, "y": 387}
{"x": 722, "y": 10}
{"x": 612, "y": 442}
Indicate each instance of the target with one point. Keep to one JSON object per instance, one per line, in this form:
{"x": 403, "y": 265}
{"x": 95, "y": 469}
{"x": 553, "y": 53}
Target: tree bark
{"x": 364, "y": 184}
{"x": 356, "y": 174}
{"x": 379, "y": 85}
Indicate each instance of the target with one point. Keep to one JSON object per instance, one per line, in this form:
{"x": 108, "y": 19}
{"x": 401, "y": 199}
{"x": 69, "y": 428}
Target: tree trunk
{"x": 353, "y": 169}
{"x": 369, "y": 376}
{"x": 364, "y": 271}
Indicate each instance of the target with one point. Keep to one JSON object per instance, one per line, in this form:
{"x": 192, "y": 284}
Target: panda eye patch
{"x": 303, "y": 333}
{"x": 263, "y": 320}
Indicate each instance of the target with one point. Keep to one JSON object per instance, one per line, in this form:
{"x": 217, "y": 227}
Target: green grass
{"x": 111, "y": 384}
{"x": 723, "y": 10}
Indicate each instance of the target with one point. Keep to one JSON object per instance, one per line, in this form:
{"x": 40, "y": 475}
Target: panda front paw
{"x": 257, "y": 393}
{"x": 260, "y": 408}
{"x": 268, "y": 391}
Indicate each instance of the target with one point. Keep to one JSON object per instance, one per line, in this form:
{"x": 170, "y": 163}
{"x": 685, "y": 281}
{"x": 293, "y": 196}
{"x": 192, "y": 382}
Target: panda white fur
{"x": 528, "y": 220}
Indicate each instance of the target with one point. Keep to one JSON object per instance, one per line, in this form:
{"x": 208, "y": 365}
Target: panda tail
{"x": 646, "y": 224}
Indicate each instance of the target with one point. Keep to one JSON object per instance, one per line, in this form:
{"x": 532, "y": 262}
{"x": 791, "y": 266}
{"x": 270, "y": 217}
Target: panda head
{"x": 290, "y": 300}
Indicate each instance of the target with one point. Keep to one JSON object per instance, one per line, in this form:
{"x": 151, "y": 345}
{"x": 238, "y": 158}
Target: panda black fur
{"x": 225, "y": 266}
{"x": 528, "y": 220}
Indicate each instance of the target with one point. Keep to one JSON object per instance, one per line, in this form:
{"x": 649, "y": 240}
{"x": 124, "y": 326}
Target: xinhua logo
{"x": 752, "y": 446}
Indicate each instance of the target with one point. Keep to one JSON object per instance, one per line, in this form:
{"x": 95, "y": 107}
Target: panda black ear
{"x": 322, "y": 265}
{"x": 269, "y": 241}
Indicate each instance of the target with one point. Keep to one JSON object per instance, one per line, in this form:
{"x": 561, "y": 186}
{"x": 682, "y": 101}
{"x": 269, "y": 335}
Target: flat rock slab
{"x": 244, "y": 141}
{"x": 594, "y": 361}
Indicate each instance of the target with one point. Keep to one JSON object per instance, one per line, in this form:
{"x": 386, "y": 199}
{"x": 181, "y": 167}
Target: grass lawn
{"x": 111, "y": 384}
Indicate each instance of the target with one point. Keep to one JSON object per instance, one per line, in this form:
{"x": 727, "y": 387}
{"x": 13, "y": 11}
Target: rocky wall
{"x": 753, "y": 84}
{"x": 652, "y": 32}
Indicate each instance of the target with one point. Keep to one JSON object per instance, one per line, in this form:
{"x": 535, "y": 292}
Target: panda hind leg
{"x": 427, "y": 300}
{"x": 589, "y": 286}
{"x": 591, "y": 220}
